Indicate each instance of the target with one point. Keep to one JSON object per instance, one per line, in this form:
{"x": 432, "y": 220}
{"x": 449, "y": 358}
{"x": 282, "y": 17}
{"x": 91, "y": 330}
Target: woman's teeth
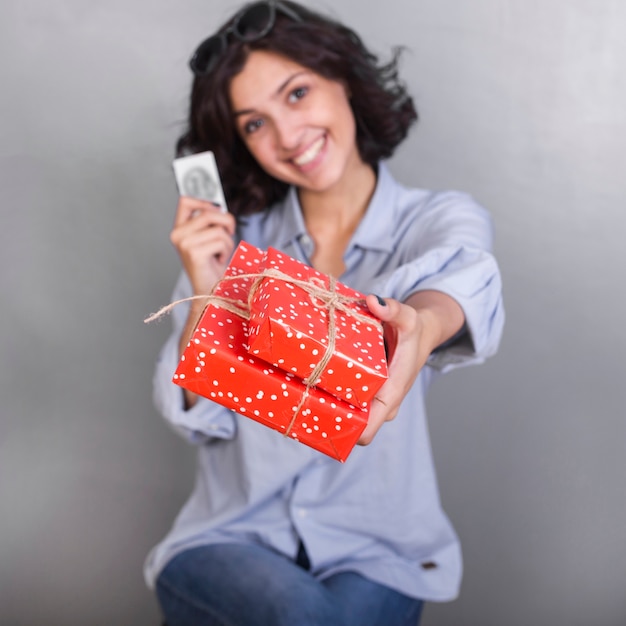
{"x": 308, "y": 155}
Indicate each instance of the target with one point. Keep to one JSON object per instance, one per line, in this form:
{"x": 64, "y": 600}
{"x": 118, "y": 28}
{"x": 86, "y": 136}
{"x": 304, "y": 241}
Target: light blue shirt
{"x": 378, "y": 513}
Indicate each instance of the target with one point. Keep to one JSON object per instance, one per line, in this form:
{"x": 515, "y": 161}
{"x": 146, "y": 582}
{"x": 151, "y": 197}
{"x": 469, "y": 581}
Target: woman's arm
{"x": 412, "y": 331}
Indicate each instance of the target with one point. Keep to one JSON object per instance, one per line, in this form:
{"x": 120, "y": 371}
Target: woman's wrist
{"x": 440, "y": 317}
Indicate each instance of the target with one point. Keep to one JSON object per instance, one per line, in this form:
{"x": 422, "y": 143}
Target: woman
{"x": 301, "y": 116}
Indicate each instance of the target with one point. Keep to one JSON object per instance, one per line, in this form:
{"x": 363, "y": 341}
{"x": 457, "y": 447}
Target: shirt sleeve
{"x": 447, "y": 248}
{"x": 206, "y": 419}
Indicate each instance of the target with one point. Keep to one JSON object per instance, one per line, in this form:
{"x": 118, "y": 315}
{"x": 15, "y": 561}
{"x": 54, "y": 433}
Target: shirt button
{"x": 305, "y": 240}
{"x": 302, "y": 512}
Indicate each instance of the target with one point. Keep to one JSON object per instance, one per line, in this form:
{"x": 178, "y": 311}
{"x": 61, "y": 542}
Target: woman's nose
{"x": 288, "y": 132}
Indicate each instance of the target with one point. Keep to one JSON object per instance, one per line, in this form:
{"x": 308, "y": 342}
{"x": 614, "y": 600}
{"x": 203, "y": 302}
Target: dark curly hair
{"x": 382, "y": 108}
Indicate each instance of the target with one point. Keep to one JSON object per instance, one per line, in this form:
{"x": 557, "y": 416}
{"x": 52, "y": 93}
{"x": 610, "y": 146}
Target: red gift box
{"x": 216, "y": 364}
{"x": 290, "y": 327}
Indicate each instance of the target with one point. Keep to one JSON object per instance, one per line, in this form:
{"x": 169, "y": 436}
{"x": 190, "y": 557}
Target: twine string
{"x": 320, "y": 296}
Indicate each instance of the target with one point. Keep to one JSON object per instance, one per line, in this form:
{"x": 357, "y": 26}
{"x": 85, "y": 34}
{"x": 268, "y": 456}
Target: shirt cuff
{"x": 472, "y": 278}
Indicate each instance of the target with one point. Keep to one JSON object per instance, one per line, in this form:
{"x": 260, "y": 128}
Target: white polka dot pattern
{"x": 289, "y": 328}
{"x": 216, "y": 364}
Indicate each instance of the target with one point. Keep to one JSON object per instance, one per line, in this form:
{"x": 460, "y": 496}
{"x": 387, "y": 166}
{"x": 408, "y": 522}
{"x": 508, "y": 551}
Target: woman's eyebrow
{"x": 285, "y": 84}
{"x": 278, "y": 91}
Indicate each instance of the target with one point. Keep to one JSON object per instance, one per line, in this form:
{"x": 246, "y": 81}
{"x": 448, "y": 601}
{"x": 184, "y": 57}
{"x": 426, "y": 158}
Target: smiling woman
{"x": 381, "y": 108}
{"x": 301, "y": 117}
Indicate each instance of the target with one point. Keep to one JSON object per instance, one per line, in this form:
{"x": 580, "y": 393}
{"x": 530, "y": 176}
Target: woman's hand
{"x": 412, "y": 331}
{"x": 203, "y": 238}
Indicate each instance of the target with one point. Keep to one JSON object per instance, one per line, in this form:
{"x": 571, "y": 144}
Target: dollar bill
{"x": 197, "y": 176}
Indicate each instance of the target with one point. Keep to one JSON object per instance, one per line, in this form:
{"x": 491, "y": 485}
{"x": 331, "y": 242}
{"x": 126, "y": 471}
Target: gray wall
{"x": 522, "y": 103}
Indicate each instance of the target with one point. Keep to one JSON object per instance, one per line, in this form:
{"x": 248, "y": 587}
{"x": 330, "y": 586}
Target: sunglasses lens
{"x": 252, "y": 23}
{"x": 207, "y": 53}
{"x": 255, "y": 22}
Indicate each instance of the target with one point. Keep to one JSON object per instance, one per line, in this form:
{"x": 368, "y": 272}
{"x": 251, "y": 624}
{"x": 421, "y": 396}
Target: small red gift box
{"x": 290, "y": 327}
{"x": 216, "y": 364}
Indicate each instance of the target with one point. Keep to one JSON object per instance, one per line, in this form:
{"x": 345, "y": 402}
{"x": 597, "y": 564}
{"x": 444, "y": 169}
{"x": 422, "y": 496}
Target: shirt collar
{"x": 290, "y": 224}
{"x": 375, "y": 231}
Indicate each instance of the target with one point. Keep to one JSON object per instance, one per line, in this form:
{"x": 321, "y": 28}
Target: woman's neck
{"x": 342, "y": 206}
{"x": 333, "y": 216}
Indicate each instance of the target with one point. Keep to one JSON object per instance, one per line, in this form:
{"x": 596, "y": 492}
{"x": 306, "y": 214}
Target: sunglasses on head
{"x": 252, "y": 23}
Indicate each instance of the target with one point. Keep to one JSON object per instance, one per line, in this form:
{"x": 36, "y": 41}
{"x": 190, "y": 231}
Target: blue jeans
{"x": 249, "y": 585}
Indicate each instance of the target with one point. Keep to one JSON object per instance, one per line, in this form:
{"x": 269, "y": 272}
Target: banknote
{"x": 197, "y": 176}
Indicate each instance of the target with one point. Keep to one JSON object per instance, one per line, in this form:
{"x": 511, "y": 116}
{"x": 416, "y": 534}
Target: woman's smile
{"x": 310, "y": 156}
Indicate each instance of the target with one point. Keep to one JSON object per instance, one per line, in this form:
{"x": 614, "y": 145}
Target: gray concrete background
{"x": 522, "y": 103}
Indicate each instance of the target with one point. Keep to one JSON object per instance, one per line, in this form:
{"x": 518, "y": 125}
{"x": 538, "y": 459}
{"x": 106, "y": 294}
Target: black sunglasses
{"x": 253, "y": 22}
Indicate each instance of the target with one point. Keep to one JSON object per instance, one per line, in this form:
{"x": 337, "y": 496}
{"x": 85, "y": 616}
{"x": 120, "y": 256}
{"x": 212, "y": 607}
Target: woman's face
{"x": 298, "y": 125}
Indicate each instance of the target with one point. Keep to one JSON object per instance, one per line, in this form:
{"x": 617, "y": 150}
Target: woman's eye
{"x": 252, "y": 126}
{"x": 298, "y": 94}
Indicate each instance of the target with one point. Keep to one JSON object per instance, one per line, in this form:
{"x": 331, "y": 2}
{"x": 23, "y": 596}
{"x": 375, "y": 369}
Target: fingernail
{"x": 380, "y": 301}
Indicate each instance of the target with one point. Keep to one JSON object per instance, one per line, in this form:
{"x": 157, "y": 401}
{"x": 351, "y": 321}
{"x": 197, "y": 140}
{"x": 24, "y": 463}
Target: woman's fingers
{"x": 192, "y": 215}
{"x": 189, "y": 208}
{"x": 203, "y": 237}
{"x": 402, "y": 335}
{"x": 200, "y": 245}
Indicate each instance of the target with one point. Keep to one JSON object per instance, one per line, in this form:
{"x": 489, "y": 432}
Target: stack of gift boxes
{"x": 289, "y": 347}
